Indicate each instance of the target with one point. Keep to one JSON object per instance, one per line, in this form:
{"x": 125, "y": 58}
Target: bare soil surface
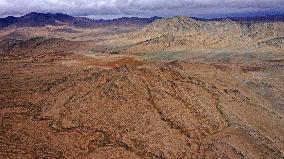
{"x": 65, "y": 105}
{"x": 72, "y": 97}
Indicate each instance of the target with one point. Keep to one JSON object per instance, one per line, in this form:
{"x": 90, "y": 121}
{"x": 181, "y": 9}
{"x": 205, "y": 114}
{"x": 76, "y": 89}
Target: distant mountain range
{"x": 267, "y": 18}
{"x": 43, "y": 19}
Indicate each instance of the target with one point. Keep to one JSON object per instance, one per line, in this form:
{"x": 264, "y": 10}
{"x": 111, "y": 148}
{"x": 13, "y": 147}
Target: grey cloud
{"x": 138, "y": 7}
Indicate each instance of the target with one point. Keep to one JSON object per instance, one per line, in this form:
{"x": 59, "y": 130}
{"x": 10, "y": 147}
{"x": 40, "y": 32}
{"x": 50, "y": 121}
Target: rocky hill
{"x": 185, "y": 32}
{"x": 155, "y": 110}
{"x": 36, "y": 47}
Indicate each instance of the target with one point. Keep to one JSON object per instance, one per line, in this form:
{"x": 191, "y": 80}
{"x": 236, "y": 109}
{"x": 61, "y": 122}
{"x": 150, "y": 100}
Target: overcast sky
{"x": 144, "y": 8}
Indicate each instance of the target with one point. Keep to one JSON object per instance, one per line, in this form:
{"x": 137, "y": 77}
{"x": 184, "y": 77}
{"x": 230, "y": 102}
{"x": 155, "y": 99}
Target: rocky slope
{"x": 187, "y": 33}
{"x": 162, "y": 110}
{"x": 36, "y": 46}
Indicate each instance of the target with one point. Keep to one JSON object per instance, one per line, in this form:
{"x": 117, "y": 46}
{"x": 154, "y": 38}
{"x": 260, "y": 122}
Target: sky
{"x": 108, "y": 9}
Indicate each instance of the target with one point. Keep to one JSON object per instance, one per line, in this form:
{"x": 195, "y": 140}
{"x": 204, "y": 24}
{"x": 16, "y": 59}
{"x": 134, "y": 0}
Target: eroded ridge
{"x": 149, "y": 111}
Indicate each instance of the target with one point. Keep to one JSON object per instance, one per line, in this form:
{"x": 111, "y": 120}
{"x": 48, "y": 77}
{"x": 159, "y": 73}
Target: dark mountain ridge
{"x": 34, "y": 19}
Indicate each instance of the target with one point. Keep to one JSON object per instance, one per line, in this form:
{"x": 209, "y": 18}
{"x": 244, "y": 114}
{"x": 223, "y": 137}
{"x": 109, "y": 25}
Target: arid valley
{"x": 164, "y": 88}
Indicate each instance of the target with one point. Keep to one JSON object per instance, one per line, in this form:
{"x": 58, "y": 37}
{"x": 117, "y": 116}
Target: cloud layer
{"x": 139, "y": 7}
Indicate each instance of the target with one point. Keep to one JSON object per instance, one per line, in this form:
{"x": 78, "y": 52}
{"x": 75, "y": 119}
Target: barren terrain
{"x": 176, "y": 88}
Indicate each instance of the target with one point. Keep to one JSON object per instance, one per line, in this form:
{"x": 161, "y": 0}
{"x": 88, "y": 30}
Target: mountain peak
{"x": 180, "y": 19}
{"x": 31, "y": 13}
